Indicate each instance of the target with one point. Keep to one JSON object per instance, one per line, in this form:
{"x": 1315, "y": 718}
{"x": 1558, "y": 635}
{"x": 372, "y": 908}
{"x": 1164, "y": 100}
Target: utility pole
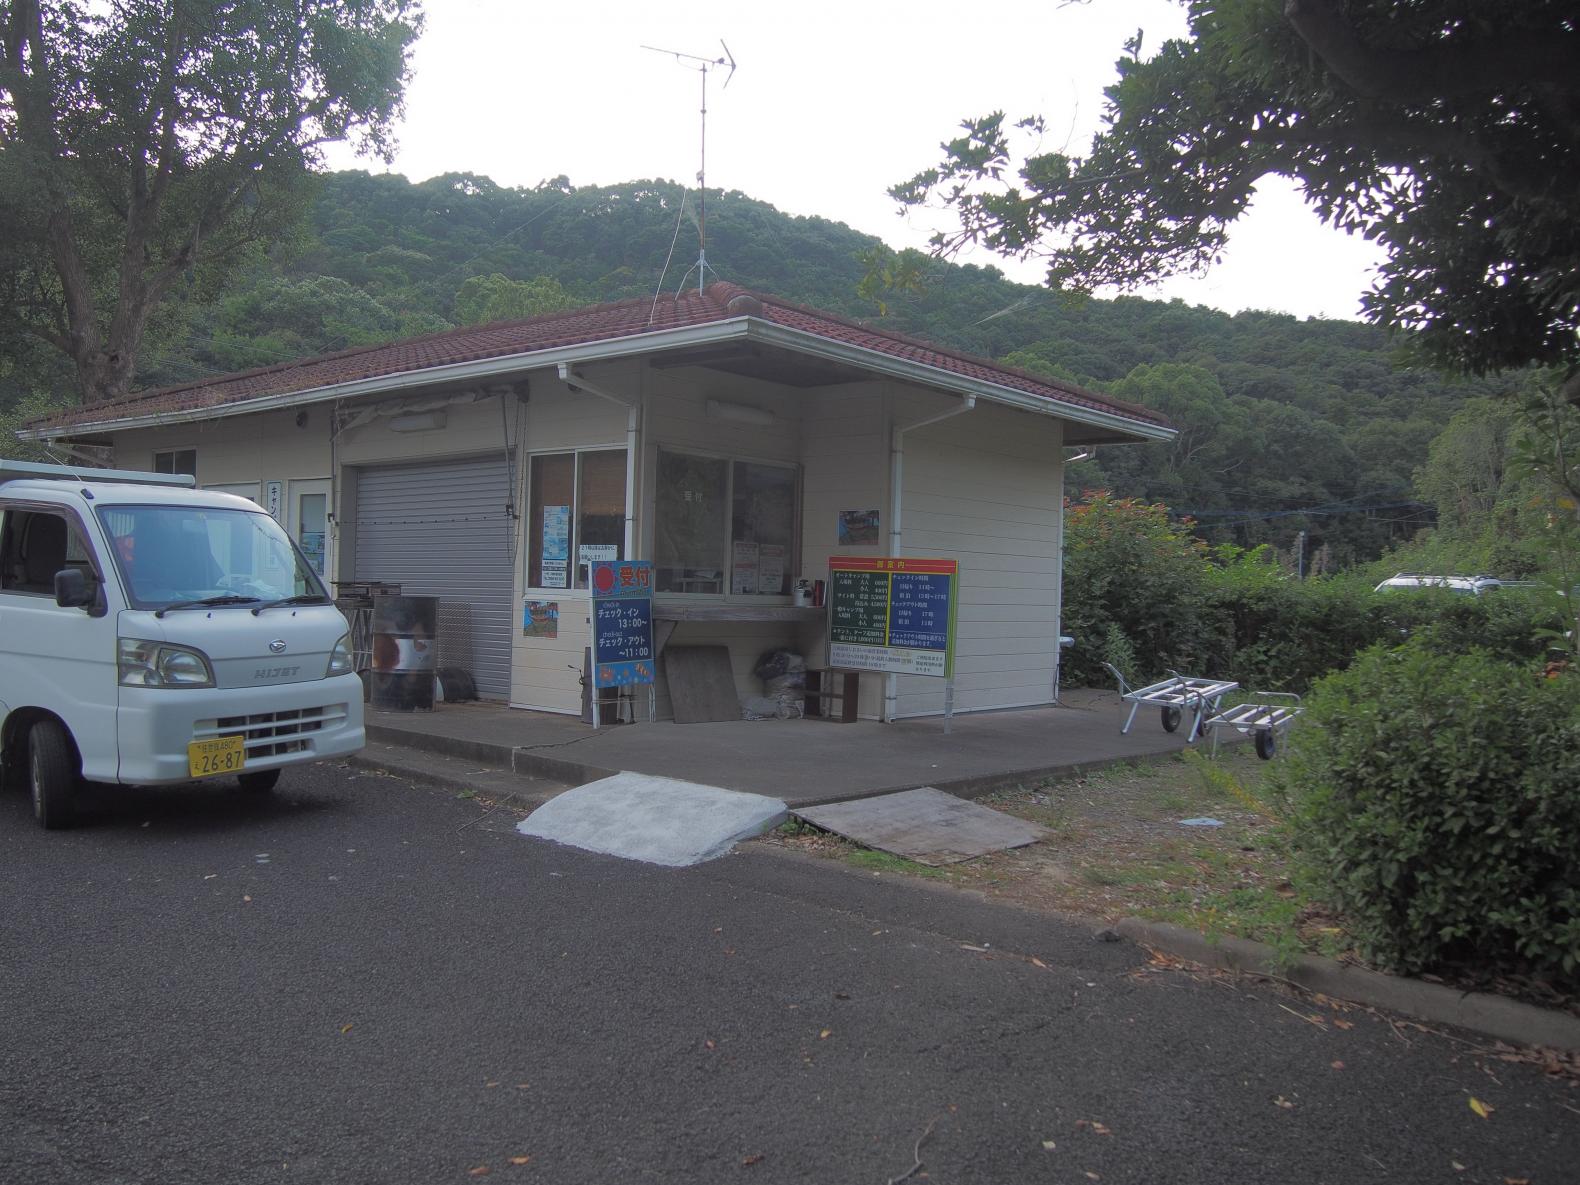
{"x": 1300, "y": 555}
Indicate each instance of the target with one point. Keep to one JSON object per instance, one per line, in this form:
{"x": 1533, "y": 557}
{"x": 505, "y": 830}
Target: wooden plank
{"x": 925, "y": 825}
{"x": 701, "y": 684}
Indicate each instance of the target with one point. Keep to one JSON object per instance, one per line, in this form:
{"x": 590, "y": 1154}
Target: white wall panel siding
{"x": 986, "y": 488}
{"x": 442, "y": 530}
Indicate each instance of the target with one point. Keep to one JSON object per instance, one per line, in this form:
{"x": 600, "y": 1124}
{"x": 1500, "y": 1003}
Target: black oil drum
{"x": 405, "y": 651}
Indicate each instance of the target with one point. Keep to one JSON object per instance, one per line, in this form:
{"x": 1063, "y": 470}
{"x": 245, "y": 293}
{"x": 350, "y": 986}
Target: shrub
{"x": 1127, "y": 567}
{"x": 1438, "y": 804}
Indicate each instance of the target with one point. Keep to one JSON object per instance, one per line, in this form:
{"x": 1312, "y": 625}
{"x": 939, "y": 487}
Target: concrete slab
{"x": 799, "y": 761}
{"x": 925, "y": 825}
{"x": 655, "y": 820}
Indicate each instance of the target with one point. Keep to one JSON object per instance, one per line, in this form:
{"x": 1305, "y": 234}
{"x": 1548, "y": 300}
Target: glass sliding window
{"x": 551, "y": 490}
{"x": 762, "y": 529}
{"x": 600, "y": 509}
{"x": 576, "y": 514}
{"x": 183, "y": 460}
{"x": 689, "y": 523}
{"x": 725, "y": 526}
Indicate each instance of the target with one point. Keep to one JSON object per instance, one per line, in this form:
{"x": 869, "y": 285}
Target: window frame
{"x": 731, "y": 460}
{"x": 174, "y": 454}
{"x": 573, "y": 586}
{"x": 76, "y": 531}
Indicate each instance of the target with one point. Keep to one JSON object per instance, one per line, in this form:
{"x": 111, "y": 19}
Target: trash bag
{"x": 782, "y": 671}
{"x": 773, "y": 662}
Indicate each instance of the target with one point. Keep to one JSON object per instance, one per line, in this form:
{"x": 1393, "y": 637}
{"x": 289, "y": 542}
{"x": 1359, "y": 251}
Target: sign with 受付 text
{"x": 622, "y": 622}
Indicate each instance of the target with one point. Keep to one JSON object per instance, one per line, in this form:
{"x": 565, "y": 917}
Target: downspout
{"x": 633, "y": 412}
{"x": 891, "y": 683}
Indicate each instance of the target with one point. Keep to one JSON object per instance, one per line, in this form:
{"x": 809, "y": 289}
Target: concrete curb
{"x": 1506, "y": 1020}
{"x": 526, "y": 763}
{"x": 456, "y": 774}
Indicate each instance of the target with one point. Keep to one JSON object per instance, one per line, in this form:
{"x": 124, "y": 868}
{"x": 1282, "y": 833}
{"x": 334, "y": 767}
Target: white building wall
{"x": 845, "y": 441}
{"x": 986, "y": 488}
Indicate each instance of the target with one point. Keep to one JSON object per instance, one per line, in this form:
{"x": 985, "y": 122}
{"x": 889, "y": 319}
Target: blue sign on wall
{"x": 622, "y": 621}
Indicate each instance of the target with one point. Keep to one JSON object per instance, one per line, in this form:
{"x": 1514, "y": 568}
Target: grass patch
{"x": 873, "y": 861}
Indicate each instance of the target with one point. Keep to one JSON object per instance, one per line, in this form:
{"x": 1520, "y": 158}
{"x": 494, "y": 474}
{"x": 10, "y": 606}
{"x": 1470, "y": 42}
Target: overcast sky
{"x": 831, "y": 104}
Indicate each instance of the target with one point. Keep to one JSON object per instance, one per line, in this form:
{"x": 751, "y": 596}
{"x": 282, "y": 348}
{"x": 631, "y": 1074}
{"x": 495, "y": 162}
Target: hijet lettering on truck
{"x": 622, "y": 620}
{"x": 894, "y": 614}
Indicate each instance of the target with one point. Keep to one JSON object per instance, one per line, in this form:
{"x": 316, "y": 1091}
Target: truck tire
{"x": 259, "y": 781}
{"x": 52, "y": 774}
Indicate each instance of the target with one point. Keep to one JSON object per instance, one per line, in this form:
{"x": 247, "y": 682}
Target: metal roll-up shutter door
{"x": 442, "y": 530}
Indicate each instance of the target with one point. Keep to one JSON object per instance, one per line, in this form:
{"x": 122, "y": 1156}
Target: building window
{"x": 723, "y": 526}
{"x": 180, "y": 460}
{"x": 576, "y": 509}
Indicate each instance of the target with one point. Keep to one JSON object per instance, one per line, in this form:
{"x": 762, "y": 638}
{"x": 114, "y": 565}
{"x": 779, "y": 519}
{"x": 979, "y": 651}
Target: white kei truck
{"x": 153, "y": 633}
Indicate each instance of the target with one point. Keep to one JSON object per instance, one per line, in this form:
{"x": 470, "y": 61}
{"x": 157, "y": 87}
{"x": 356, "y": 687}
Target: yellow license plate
{"x": 220, "y": 755}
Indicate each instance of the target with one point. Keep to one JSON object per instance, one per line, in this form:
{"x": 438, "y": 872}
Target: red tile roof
{"x": 597, "y": 324}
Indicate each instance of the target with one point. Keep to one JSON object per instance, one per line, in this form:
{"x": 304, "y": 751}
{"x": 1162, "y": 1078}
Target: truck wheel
{"x": 259, "y": 781}
{"x": 52, "y": 774}
{"x": 1266, "y": 744}
{"x": 1171, "y": 719}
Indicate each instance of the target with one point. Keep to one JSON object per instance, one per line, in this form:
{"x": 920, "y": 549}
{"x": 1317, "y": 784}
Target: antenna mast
{"x": 702, "y": 66}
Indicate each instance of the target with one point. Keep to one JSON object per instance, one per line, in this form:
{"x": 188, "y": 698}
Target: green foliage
{"x": 1142, "y": 593}
{"x": 1435, "y": 130}
{"x": 1438, "y": 801}
{"x": 483, "y": 300}
{"x": 146, "y": 145}
{"x": 1129, "y": 570}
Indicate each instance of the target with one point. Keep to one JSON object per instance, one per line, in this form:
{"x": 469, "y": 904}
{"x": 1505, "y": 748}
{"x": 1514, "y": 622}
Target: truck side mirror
{"x": 71, "y": 589}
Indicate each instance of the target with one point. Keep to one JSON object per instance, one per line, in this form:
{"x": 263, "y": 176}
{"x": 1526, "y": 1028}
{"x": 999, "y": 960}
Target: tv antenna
{"x": 702, "y": 65}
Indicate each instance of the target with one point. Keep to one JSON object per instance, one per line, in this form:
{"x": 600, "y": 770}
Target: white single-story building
{"x": 734, "y": 440}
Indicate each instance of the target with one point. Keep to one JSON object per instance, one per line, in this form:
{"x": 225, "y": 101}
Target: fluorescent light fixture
{"x": 741, "y": 413}
{"x": 422, "y": 421}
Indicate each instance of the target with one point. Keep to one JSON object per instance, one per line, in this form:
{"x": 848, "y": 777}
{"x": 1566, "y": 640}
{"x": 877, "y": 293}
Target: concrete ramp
{"x": 652, "y": 819}
{"x": 925, "y": 825}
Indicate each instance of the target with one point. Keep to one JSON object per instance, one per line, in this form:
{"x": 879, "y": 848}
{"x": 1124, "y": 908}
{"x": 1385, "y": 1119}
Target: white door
{"x": 308, "y": 523}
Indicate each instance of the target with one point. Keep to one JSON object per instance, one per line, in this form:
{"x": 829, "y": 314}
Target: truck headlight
{"x": 340, "y": 657}
{"x": 142, "y": 663}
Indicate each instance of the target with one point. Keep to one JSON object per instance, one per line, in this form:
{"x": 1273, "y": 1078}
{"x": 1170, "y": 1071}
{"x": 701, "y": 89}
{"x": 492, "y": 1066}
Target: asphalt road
{"x": 364, "y": 980}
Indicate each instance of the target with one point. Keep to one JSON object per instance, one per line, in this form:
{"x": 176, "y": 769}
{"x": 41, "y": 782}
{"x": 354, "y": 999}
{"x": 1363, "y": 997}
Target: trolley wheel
{"x": 1171, "y": 718}
{"x": 1266, "y": 743}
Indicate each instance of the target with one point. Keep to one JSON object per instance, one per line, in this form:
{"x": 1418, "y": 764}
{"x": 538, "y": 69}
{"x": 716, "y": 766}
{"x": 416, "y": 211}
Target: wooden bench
{"x": 824, "y": 688}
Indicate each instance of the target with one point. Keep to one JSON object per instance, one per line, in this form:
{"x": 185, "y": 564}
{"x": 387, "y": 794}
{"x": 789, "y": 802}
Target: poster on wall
{"x": 556, "y": 546}
{"x": 591, "y": 553}
{"x": 771, "y": 569}
{"x": 858, "y": 528}
{"x": 540, "y": 619}
{"x": 744, "y": 562}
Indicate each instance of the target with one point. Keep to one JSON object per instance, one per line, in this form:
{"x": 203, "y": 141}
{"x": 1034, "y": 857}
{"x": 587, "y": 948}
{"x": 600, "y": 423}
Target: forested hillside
{"x": 1286, "y": 425}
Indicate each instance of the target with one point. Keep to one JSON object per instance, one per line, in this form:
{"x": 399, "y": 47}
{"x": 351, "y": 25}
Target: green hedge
{"x": 1140, "y": 592}
{"x": 1438, "y": 807}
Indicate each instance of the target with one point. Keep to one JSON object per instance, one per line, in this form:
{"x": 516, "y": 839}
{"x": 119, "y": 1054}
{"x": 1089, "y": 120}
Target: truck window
{"x": 175, "y": 552}
{"x": 34, "y": 545}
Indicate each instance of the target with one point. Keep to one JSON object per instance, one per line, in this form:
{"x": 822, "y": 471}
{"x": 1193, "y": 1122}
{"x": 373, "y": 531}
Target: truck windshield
{"x": 167, "y": 554}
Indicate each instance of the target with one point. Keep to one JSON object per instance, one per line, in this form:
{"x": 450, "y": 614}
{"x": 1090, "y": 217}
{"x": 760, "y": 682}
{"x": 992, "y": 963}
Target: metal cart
{"x": 1266, "y": 717}
{"x": 1174, "y": 697}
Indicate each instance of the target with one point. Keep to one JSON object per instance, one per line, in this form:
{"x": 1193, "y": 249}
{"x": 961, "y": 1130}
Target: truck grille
{"x": 271, "y": 734}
